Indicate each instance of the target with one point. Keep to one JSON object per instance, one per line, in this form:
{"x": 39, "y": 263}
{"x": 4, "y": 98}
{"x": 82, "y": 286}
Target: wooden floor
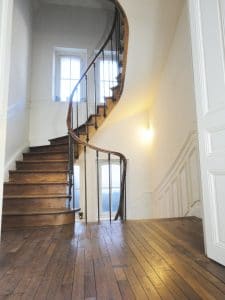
{"x": 139, "y": 260}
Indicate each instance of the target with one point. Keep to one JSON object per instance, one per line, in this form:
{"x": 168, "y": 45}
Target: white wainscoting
{"x": 179, "y": 193}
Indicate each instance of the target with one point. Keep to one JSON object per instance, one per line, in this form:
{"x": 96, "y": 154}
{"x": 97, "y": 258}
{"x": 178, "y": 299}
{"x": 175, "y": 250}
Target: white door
{"x": 208, "y": 40}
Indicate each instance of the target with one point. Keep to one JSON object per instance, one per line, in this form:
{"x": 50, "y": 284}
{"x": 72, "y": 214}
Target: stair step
{"x": 38, "y": 217}
{"x": 45, "y": 155}
{"x": 39, "y": 211}
{"x": 35, "y": 188}
{"x": 59, "y": 140}
{"x": 29, "y": 202}
{"x": 43, "y": 165}
{"x": 50, "y": 148}
{"x": 38, "y": 176}
{"x": 101, "y": 108}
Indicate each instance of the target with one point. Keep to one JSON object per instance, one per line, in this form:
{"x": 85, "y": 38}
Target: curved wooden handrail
{"x": 120, "y": 155}
{"x": 69, "y": 121}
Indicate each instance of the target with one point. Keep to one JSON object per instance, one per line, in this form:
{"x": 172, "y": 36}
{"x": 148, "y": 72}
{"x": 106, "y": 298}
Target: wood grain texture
{"x": 161, "y": 259}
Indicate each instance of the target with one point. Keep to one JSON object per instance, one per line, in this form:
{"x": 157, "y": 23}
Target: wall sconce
{"x": 147, "y": 134}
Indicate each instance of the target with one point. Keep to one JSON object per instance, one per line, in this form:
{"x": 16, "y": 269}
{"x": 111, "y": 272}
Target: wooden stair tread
{"x": 40, "y": 211}
{"x": 48, "y": 145}
{"x": 8, "y": 197}
{"x": 38, "y": 171}
{"x": 35, "y": 183}
{"x": 44, "y": 161}
{"x": 46, "y": 152}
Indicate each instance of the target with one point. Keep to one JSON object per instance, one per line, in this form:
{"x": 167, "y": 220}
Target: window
{"x": 68, "y": 67}
{"x": 115, "y": 186}
{"x": 108, "y": 71}
{"x": 77, "y": 185}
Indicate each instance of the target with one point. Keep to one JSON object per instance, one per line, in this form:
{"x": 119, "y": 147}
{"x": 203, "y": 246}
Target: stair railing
{"x": 108, "y": 66}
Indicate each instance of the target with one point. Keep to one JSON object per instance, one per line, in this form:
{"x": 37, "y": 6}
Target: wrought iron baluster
{"x": 77, "y": 106}
{"x": 103, "y": 72}
{"x": 69, "y": 169}
{"x": 85, "y": 182}
{"x": 95, "y": 96}
{"x": 110, "y": 188}
{"x": 86, "y": 87}
{"x": 72, "y": 166}
{"x": 112, "y": 65}
{"x": 125, "y": 200}
{"x": 98, "y": 185}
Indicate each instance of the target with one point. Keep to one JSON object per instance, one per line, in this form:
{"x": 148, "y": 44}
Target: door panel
{"x": 208, "y": 40}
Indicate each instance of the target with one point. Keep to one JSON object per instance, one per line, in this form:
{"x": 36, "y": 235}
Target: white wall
{"x": 18, "y": 105}
{"x": 59, "y": 26}
{"x": 123, "y": 136}
{"x": 173, "y": 118}
{"x": 152, "y": 25}
{"x": 6, "y": 7}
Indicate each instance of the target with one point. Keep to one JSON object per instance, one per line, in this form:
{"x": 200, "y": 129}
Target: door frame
{"x": 6, "y": 17}
{"x": 201, "y": 98}
{"x": 199, "y": 76}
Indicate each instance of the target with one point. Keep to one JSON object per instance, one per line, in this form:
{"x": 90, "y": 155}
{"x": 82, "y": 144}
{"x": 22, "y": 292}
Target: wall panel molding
{"x": 179, "y": 193}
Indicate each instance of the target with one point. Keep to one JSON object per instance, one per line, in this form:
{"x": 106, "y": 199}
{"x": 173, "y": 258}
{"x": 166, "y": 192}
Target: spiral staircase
{"x": 41, "y": 191}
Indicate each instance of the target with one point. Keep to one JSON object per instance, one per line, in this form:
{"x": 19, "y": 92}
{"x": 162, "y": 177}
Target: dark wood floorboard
{"x": 160, "y": 259}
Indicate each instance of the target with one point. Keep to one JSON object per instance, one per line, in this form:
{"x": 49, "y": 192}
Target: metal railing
{"x": 102, "y": 85}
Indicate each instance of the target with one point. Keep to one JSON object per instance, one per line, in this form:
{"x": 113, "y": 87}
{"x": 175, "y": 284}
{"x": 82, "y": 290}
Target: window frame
{"x": 59, "y": 52}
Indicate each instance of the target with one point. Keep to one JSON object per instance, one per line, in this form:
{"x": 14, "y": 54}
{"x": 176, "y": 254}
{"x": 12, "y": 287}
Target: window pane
{"x": 102, "y": 92}
{"x": 115, "y": 187}
{"x": 115, "y": 175}
{"x": 108, "y": 70}
{"x": 64, "y": 90}
{"x": 75, "y": 68}
{"x": 105, "y": 200}
{"x": 77, "y": 185}
{"x": 77, "y": 176}
{"x": 77, "y": 198}
{"x": 77, "y": 94}
{"x": 108, "y": 74}
{"x": 65, "y": 67}
{"x": 115, "y": 72}
{"x": 115, "y": 198}
{"x": 105, "y": 176}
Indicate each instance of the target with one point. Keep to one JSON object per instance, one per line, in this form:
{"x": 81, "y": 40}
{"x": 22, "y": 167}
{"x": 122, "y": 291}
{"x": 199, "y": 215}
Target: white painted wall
{"x": 6, "y": 8}
{"x": 19, "y": 91}
{"x": 173, "y": 118}
{"x": 59, "y": 26}
{"x": 123, "y": 136}
{"x": 152, "y": 26}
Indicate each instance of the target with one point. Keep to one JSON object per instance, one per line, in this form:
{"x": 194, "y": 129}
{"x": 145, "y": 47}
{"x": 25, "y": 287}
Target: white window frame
{"x": 59, "y": 52}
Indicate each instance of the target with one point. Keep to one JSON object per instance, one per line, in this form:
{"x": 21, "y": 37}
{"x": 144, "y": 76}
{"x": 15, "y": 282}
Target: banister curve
{"x": 69, "y": 120}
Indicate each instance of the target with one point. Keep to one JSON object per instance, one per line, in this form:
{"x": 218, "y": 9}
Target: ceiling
{"x": 81, "y": 3}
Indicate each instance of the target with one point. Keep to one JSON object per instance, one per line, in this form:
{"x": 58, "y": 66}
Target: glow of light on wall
{"x": 147, "y": 134}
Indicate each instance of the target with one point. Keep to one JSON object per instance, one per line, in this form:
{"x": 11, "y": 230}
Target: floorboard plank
{"x": 150, "y": 259}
